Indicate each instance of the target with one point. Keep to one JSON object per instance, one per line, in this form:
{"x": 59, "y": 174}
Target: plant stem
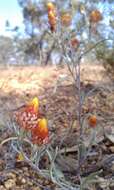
{"x": 79, "y": 97}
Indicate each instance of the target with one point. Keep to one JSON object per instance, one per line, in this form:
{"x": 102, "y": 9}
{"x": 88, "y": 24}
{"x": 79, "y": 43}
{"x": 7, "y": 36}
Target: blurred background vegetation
{"x": 37, "y": 45}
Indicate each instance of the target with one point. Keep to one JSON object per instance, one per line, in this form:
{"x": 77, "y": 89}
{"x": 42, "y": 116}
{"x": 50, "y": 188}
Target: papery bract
{"x": 92, "y": 121}
{"x": 40, "y": 132}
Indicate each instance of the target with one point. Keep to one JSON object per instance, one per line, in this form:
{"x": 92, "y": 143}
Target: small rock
{"x": 112, "y": 167}
{"x": 112, "y": 149}
{"x": 23, "y": 180}
{"x": 2, "y": 187}
{"x": 20, "y": 180}
{"x": 11, "y": 175}
{"x": 25, "y": 169}
{"x": 103, "y": 183}
{"x": 36, "y": 188}
{"x": 46, "y": 182}
{"x": 112, "y": 184}
{"x": 30, "y": 183}
{"x": 9, "y": 184}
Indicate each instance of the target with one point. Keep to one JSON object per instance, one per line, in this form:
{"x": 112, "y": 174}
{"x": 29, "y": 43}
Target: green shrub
{"x": 106, "y": 55}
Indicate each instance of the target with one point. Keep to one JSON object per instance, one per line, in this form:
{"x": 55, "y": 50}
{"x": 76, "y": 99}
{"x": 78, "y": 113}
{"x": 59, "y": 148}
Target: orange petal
{"x": 50, "y": 6}
{"x": 92, "y": 121}
{"x": 40, "y": 132}
{"x": 95, "y": 16}
{"x": 34, "y": 104}
{"x": 19, "y": 157}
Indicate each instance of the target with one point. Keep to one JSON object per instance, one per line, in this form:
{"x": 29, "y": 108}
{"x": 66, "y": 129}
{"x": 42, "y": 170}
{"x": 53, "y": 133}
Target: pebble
{"x": 104, "y": 184}
{"x": 2, "y": 187}
{"x": 25, "y": 169}
{"x": 112, "y": 167}
{"x": 46, "y": 182}
{"x": 9, "y": 184}
{"x": 30, "y": 183}
{"x": 11, "y": 175}
{"x": 23, "y": 180}
{"x": 36, "y": 188}
{"x": 112, "y": 149}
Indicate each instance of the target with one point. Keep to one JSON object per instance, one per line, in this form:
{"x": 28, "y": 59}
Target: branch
{"x": 93, "y": 47}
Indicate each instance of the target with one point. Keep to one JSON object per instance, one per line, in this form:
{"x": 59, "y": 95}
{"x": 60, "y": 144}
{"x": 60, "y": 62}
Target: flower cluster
{"x": 31, "y": 119}
{"x": 52, "y": 16}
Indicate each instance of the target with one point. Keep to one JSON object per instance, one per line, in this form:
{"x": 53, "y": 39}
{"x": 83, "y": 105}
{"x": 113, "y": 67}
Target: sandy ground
{"x": 20, "y": 84}
{"x": 19, "y": 80}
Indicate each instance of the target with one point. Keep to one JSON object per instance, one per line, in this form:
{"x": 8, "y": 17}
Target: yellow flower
{"x": 50, "y": 6}
{"x": 40, "y": 132}
{"x": 34, "y": 104}
{"x": 19, "y": 157}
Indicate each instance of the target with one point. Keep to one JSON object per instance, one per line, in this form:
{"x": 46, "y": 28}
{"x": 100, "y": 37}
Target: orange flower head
{"x": 27, "y": 116}
{"x": 40, "y": 132}
{"x": 52, "y": 18}
{"x": 66, "y": 19}
{"x": 19, "y": 157}
{"x": 33, "y": 105}
{"x": 92, "y": 121}
{"x": 74, "y": 42}
{"x": 50, "y": 6}
{"x": 95, "y": 16}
